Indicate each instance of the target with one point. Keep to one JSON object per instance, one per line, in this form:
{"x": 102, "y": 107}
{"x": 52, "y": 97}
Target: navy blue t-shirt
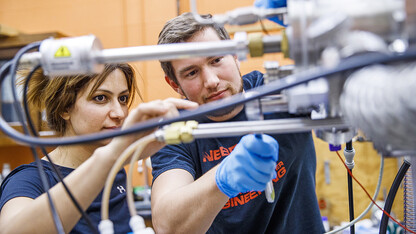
{"x": 295, "y": 209}
{"x": 24, "y": 181}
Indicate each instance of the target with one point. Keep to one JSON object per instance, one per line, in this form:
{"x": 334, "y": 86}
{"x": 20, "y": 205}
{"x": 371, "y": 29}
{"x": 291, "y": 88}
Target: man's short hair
{"x": 181, "y": 29}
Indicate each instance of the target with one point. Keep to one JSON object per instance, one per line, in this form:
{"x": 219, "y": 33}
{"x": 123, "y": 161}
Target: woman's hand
{"x": 158, "y": 108}
{"x": 167, "y": 108}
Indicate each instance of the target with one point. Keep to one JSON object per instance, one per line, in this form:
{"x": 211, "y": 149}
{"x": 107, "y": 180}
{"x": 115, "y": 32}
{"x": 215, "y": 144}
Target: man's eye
{"x": 100, "y": 98}
{"x": 192, "y": 73}
{"x": 217, "y": 60}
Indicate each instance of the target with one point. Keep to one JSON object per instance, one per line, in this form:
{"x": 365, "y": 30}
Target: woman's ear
{"x": 174, "y": 85}
{"x": 65, "y": 115}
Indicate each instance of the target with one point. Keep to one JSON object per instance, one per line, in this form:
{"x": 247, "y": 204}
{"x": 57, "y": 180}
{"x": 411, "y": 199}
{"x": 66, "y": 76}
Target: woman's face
{"x": 105, "y": 110}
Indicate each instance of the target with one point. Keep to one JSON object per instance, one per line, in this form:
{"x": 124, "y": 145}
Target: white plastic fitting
{"x": 349, "y": 158}
{"x": 106, "y": 227}
{"x": 137, "y": 223}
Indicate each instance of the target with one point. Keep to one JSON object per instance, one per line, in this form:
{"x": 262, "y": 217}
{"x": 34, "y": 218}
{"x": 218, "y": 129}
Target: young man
{"x": 217, "y": 185}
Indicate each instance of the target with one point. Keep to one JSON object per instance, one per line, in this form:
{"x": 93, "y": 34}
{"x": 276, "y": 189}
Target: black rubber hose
{"x": 351, "y": 201}
{"x": 348, "y": 145}
{"x": 392, "y": 194}
{"x": 273, "y": 87}
{"x": 349, "y": 148}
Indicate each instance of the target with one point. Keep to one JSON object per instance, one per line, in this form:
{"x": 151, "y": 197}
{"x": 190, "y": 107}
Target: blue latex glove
{"x": 249, "y": 167}
{"x": 271, "y": 4}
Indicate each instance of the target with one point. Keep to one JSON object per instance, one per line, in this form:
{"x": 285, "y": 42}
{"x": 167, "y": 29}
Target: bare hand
{"x": 167, "y": 108}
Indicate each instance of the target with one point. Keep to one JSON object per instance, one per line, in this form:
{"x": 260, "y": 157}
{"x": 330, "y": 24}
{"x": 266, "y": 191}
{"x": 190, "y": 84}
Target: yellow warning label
{"x": 63, "y": 51}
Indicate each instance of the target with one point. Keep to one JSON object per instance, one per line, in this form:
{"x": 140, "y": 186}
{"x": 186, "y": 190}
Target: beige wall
{"x": 117, "y": 23}
{"x": 122, "y": 23}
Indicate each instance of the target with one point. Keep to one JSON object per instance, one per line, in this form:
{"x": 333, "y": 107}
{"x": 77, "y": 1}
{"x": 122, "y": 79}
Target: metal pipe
{"x": 253, "y": 123}
{"x": 170, "y": 51}
{"x": 238, "y": 46}
{"x": 265, "y": 126}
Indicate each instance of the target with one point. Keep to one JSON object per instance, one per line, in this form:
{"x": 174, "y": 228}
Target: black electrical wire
{"x": 45, "y": 184}
{"x": 352, "y": 63}
{"x": 392, "y": 194}
{"x": 25, "y": 102}
{"x": 351, "y": 201}
{"x": 13, "y": 68}
{"x": 55, "y": 169}
{"x": 348, "y": 147}
{"x": 58, "y": 225}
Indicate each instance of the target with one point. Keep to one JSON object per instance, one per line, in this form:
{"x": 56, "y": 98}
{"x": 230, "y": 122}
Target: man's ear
{"x": 174, "y": 85}
{"x": 237, "y": 61}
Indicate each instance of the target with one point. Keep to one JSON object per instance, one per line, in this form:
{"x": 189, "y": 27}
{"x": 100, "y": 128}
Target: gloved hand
{"x": 249, "y": 167}
{"x": 271, "y": 4}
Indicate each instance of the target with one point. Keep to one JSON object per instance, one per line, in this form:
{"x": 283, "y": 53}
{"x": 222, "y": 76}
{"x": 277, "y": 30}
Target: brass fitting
{"x": 255, "y": 44}
{"x": 179, "y": 132}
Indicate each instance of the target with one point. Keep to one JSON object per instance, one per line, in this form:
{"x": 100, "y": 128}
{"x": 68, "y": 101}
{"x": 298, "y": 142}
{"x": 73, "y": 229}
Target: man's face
{"x": 206, "y": 79}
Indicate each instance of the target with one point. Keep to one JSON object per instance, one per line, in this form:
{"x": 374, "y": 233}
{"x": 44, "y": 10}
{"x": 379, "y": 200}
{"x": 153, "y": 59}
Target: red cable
{"x": 385, "y": 212}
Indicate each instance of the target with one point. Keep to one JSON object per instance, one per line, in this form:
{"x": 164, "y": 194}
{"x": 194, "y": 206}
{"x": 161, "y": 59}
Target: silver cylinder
{"x": 170, "y": 51}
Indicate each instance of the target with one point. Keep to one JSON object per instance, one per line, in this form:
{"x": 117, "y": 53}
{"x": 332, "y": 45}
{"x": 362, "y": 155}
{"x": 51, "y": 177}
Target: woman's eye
{"x": 100, "y": 98}
{"x": 124, "y": 99}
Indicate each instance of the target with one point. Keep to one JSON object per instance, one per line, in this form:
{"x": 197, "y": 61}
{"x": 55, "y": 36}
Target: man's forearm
{"x": 189, "y": 209}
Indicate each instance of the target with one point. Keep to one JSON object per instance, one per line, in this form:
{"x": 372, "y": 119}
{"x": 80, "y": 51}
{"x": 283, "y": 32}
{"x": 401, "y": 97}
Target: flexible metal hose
{"x": 380, "y": 101}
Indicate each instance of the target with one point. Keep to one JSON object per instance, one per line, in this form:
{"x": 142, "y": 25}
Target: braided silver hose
{"x": 380, "y": 100}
